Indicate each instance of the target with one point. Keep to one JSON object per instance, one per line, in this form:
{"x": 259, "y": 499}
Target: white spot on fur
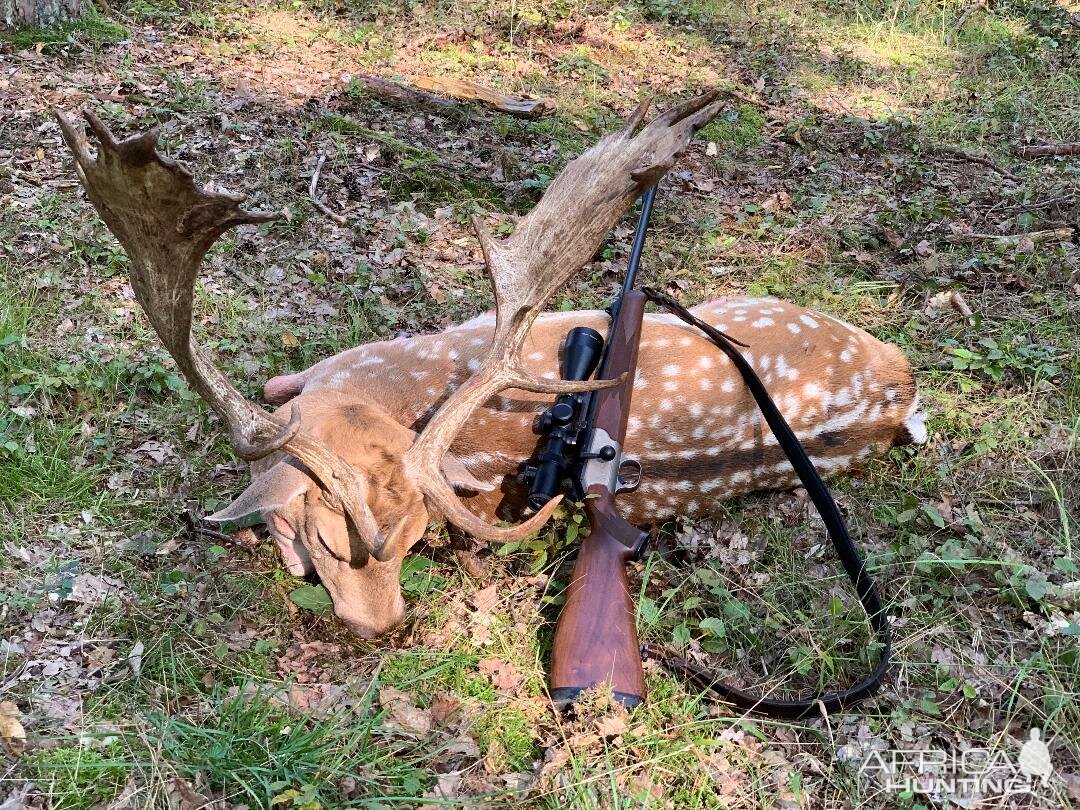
{"x": 793, "y": 327}
{"x": 806, "y": 319}
{"x": 916, "y": 423}
{"x": 672, "y": 370}
{"x": 762, "y": 322}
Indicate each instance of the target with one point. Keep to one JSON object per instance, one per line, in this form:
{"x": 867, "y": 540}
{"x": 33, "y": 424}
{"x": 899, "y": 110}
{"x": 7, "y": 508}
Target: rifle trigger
{"x": 629, "y": 476}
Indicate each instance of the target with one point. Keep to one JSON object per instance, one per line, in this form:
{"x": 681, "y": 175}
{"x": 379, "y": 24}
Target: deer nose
{"x": 374, "y": 621}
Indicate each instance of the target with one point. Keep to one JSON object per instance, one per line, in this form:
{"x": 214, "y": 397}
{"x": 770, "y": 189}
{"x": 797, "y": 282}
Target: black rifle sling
{"x": 834, "y": 523}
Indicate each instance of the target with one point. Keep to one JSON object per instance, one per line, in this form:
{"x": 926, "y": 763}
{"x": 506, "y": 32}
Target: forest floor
{"x": 865, "y": 166}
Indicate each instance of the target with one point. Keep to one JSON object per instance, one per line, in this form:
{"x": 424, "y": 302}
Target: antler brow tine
{"x": 548, "y": 245}
{"x": 166, "y": 225}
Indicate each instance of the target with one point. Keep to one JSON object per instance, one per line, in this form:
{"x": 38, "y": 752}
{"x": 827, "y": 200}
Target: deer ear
{"x": 269, "y": 492}
{"x": 460, "y": 477}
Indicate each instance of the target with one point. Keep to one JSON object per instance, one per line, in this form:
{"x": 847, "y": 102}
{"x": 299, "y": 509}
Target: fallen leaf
{"x": 90, "y": 589}
{"x": 611, "y": 726}
{"x": 485, "y": 599}
{"x": 404, "y": 711}
{"x": 504, "y": 675}
{"x": 134, "y": 658}
{"x": 443, "y": 707}
{"x": 11, "y": 730}
{"x": 185, "y": 797}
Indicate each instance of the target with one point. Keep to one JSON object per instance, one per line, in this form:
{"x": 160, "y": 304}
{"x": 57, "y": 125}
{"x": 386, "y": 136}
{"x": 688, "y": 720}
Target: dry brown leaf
{"x": 611, "y": 726}
{"x": 485, "y": 599}
{"x": 404, "y": 711}
{"x": 443, "y": 707}
{"x": 11, "y": 729}
{"x": 504, "y": 675}
{"x": 185, "y": 797}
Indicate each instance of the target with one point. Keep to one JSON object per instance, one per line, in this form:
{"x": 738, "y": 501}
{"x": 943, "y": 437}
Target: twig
{"x": 195, "y": 528}
{"x": 338, "y": 218}
{"x": 963, "y": 18}
{"x": 1053, "y": 235}
{"x": 1048, "y": 150}
{"x": 959, "y": 154}
{"x": 745, "y": 99}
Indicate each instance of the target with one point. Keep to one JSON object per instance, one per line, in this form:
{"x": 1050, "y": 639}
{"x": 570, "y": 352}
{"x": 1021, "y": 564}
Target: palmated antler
{"x": 553, "y": 241}
{"x": 166, "y": 225}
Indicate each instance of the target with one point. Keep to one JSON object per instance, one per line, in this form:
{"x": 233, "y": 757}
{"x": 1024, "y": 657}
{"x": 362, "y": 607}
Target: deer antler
{"x": 166, "y": 225}
{"x": 553, "y": 241}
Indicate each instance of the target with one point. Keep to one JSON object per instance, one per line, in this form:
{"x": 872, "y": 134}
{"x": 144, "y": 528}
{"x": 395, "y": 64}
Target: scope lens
{"x": 581, "y": 353}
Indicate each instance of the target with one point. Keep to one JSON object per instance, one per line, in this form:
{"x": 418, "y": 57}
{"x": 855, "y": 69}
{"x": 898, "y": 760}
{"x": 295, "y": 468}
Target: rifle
{"x": 596, "y": 636}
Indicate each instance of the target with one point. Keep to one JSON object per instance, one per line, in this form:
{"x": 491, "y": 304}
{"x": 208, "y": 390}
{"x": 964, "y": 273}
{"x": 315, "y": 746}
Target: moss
{"x": 90, "y": 29}
{"x": 740, "y": 128}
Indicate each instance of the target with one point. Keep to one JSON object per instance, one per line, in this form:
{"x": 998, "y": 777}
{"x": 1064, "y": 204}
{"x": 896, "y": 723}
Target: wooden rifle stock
{"x": 596, "y": 638}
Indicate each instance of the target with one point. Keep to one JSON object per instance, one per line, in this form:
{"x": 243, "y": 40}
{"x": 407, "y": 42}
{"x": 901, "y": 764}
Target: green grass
{"x": 75, "y": 778}
{"x": 973, "y": 536}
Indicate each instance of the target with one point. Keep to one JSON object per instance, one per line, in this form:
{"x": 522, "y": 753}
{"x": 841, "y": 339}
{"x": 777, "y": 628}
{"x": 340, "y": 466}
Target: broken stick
{"x": 338, "y": 218}
{"x": 459, "y": 88}
{"x": 1048, "y": 150}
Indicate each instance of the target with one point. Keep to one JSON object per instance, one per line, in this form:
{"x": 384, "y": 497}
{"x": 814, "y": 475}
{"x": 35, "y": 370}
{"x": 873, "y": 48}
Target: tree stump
{"x": 18, "y": 13}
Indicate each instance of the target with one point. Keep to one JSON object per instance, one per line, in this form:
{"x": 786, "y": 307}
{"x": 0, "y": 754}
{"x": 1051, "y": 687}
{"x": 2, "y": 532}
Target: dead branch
{"x": 955, "y": 153}
{"x": 745, "y": 99}
{"x": 396, "y": 93}
{"x": 1008, "y": 240}
{"x": 979, "y": 5}
{"x": 338, "y": 218}
{"x": 1048, "y": 150}
{"x": 517, "y": 106}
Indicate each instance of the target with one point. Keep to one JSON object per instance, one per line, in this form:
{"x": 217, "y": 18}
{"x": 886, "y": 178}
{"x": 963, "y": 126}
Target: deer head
{"x": 354, "y": 515}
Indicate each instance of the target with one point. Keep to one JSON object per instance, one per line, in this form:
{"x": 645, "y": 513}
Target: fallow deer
{"x": 372, "y": 444}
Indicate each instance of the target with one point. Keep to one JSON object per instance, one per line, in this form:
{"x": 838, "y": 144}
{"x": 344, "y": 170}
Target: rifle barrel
{"x": 631, "y": 268}
{"x": 639, "y": 239}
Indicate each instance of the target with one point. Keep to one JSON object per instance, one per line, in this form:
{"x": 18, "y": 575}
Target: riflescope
{"x": 562, "y": 422}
